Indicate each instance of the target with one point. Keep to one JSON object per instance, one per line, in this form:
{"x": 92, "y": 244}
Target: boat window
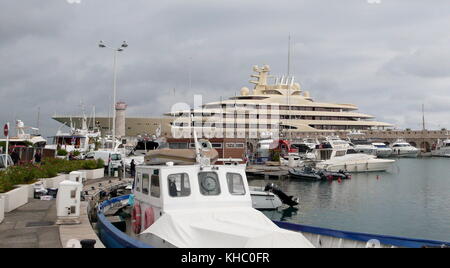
{"x": 239, "y": 145}
{"x": 145, "y": 183}
{"x": 138, "y": 182}
{"x": 179, "y": 185}
{"x": 178, "y": 145}
{"x": 235, "y": 184}
{"x": 230, "y": 145}
{"x": 217, "y": 145}
{"x": 209, "y": 183}
{"x": 340, "y": 153}
{"x": 115, "y": 157}
{"x": 155, "y": 189}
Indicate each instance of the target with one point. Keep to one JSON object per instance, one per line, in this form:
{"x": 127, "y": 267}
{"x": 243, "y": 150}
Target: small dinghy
{"x": 308, "y": 173}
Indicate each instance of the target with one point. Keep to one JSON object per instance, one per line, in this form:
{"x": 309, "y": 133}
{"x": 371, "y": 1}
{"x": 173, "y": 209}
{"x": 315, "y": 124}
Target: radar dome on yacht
{"x": 20, "y": 124}
{"x": 306, "y": 94}
{"x": 245, "y": 91}
{"x": 297, "y": 86}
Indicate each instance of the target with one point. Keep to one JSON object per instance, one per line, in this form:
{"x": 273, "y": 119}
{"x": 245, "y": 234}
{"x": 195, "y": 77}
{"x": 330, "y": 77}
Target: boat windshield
{"x": 2, "y": 161}
{"x": 115, "y": 157}
{"x": 402, "y": 145}
{"x": 380, "y": 145}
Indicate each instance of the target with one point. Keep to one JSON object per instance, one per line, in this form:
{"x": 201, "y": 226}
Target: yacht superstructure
{"x": 275, "y": 105}
{"x": 401, "y": 148}
{"x": 23, "y": 139}
{"x": 442, "y": 148}
{"x": 82, "y": 140}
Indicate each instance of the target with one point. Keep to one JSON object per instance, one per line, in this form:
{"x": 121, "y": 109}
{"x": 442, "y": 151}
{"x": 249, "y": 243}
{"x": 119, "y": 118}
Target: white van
{"x": 107, "y": 156}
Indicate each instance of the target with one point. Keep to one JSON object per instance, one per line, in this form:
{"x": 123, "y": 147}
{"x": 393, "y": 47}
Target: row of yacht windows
{"x": 331, "y": 127}
{"x": 277, "y": 116}
{"x": 274, "y": 107}
{"x": 328, "y": 118}
{"x": 216, "y": 145}
{"x": 179, "y": 184}
{"x": 230, "y": 126}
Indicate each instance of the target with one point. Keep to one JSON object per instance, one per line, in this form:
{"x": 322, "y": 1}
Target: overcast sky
{"x": 386, "y": 56}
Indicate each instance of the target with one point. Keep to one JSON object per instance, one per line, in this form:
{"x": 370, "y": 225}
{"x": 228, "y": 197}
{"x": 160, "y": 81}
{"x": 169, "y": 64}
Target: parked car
{"x": 3, "y": 162}
{"x": 108, "y": 157}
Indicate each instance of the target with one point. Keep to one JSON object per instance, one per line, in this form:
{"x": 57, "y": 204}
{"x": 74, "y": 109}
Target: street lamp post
{"x": 116, "y": 50}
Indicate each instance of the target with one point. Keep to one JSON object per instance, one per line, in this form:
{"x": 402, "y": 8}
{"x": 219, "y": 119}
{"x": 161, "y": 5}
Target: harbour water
{"x": 412, "y": 200}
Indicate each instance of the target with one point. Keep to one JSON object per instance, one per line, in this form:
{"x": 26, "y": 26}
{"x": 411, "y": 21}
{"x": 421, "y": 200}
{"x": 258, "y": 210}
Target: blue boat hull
{"x": 114, "y": 238}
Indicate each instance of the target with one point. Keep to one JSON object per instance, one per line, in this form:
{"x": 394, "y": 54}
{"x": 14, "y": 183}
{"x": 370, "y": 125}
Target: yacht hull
{"x": 407, "y": 154}
{"x": 355, "y": 167}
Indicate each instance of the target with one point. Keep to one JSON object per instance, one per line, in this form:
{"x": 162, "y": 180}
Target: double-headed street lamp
{"x": 102, "y": 44}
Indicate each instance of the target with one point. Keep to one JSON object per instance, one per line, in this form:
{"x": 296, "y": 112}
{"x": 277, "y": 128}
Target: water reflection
{"x": 411, "y": 200}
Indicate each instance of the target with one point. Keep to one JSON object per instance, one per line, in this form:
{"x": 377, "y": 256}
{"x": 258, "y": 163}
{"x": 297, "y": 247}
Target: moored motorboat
{"x": 308, "y": 173}
{"x": 336, "y": 154}
{"x": 441, "y": 149}
{"x": 401, "y": 148}
{"x": 356, "y": 163}
{"x": 270, "y": 197}
{"x": 382, "y": 150}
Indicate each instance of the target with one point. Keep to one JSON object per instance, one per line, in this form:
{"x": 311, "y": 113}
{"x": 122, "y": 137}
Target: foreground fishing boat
{"x": 112, "y": 237}
{"x": 209, "y": 206}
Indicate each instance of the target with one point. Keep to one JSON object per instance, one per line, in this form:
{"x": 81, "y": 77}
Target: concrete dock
{"x": 31, "y": 226}
{"x": 34, "y": 224}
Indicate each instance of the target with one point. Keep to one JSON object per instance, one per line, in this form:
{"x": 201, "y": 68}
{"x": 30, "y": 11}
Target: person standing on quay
{"x": 37, "y": 157}
{"x": 132, "y": 168}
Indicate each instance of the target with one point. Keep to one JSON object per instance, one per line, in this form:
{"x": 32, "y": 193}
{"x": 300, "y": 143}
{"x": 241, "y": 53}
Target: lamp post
{"x": 116, "y": 50}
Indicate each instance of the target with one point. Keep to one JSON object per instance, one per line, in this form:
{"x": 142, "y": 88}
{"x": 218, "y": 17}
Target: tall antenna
{"x": 190, "y": 73}
{"x": 38, "y": 118}
{"x": 289, "y": 56}
{"x": 289, "y": 86}
{"x": 423, "y": 116}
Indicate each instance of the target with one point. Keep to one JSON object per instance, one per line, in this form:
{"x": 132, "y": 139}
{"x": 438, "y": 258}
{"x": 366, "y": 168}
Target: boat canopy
{"x": 242, "y": 227}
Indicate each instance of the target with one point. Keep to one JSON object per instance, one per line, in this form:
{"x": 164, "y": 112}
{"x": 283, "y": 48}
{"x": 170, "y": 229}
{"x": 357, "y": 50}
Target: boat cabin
{"x": 170, "y": 187}
{"x": 194, "y": 206}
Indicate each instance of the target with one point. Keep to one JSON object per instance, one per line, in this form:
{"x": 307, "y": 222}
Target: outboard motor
{"x": 288, "y": 200}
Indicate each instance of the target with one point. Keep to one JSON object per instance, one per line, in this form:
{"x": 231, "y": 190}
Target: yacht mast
{"x": 423, "y": 116}
{"x": 289, "y": 86}
{"x": 38, "y": 117}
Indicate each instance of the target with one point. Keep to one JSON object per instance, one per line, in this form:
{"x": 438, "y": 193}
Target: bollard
{"x": 87, "y": 243}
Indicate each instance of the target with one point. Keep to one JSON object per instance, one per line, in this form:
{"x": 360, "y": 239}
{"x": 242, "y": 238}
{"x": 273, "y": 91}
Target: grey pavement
{"x": 31, "y": 226}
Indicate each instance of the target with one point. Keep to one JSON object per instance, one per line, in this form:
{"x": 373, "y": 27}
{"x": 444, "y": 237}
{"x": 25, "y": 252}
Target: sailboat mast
{"x": 423, "y": 116}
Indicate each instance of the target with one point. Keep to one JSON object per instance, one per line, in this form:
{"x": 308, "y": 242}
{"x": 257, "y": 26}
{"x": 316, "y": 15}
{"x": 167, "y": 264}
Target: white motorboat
{"x": 442, "y": 148}
{"x": 382, "y": 150}
{"x": 264, "y": 200}
{"x": 24, "y": 139}
{"x": 337, "y": 155}
{"x": 360, "y": 143}
{"x": 401, "y": 148}
{"x": 82, "y": 140}
{"x": 365, "y": 148}
{"x": 356, "y": 163}
{"x": 202, "y": 205}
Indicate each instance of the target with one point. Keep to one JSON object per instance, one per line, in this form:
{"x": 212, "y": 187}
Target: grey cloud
{"x": 386, "y": 58}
